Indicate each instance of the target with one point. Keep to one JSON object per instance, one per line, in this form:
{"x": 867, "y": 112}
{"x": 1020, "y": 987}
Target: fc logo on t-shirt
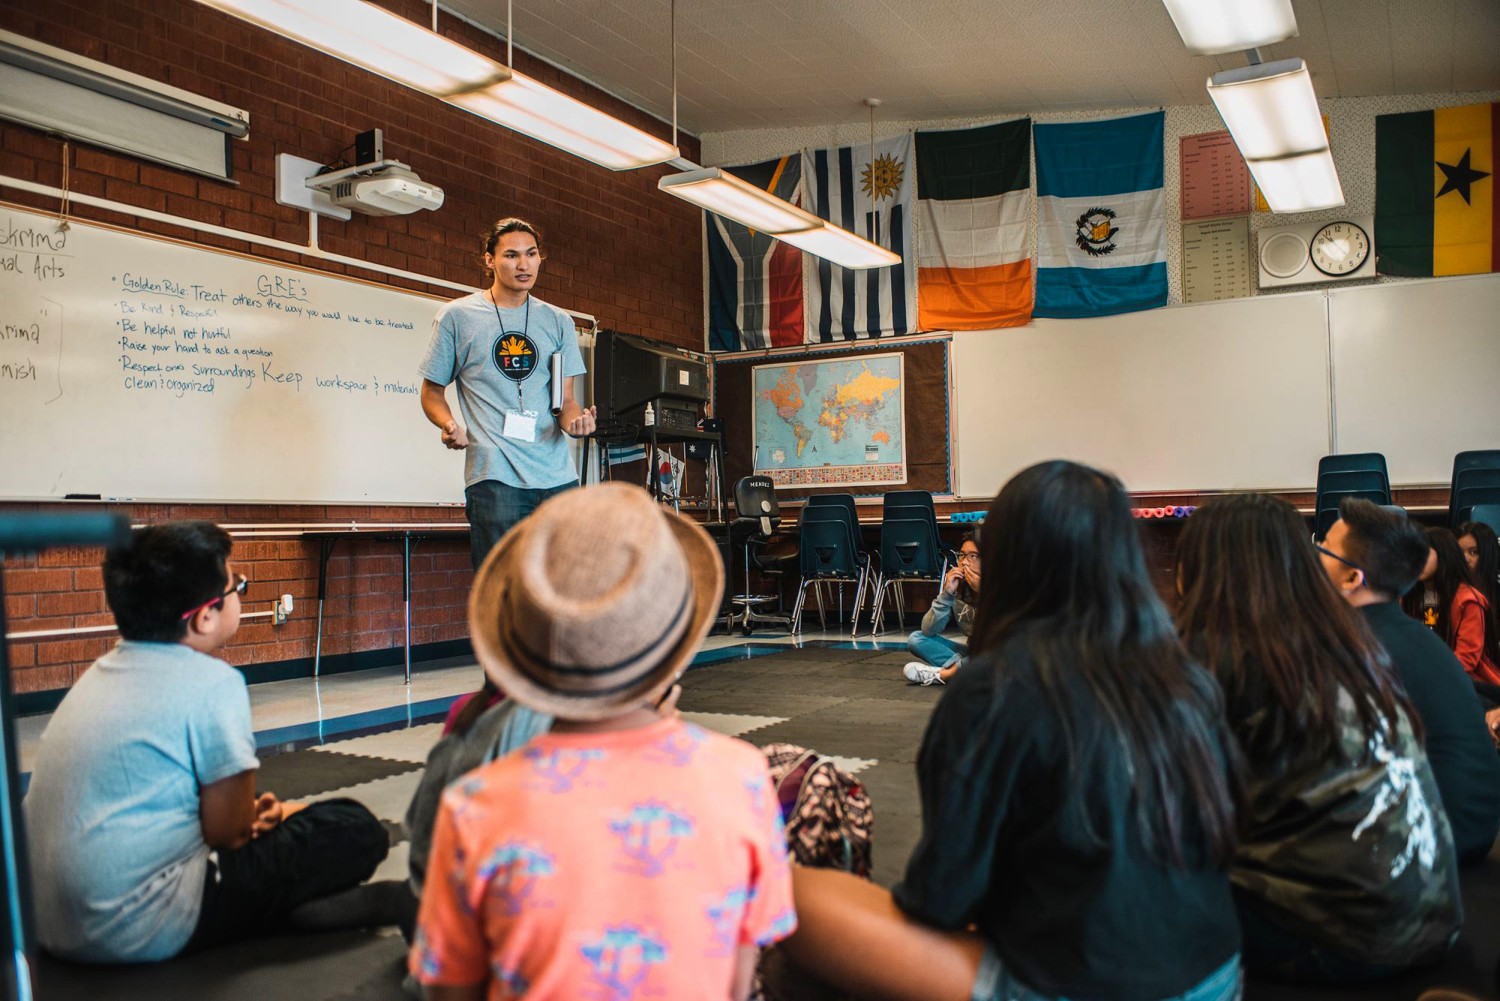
{"x": 515, "y": 356}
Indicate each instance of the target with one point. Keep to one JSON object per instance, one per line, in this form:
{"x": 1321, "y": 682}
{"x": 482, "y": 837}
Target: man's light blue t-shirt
{"x": 117, "y": 851}
{"x": 503, "y": 363}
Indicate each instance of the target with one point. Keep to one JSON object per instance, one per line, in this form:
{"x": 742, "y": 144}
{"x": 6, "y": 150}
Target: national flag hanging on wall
{"x": 841, "y": 182}
{"x": 754, "y": 280}
{"x": 1101, "y": 217}
{"x": 974, "y": 221}
{"x": 1435, "y": 207}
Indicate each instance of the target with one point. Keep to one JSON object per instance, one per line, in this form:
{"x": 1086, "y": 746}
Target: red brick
{"x": 69, "y": 603}
{"x": 174, "y": 181}
{"x": 36, "y": 581}
{"x": 41, "y": 679}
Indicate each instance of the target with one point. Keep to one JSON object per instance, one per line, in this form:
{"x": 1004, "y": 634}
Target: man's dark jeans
{"x": 494, "y": 508}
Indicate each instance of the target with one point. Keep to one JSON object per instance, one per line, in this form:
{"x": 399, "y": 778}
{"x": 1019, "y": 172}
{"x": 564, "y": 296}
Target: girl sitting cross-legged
{"x": 1078, "y": 809}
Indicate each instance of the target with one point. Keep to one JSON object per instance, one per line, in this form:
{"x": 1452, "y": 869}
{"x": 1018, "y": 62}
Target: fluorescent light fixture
{"x": 404, "y": 51}
{"x": 842, "y": 247}
{"x": 1270, "y": 108}
{"x": 374, "y": 39}
{"x": 1209, "y": 27}
{"x": 1299, "y": 183}
{"x": 534, "y": 109}
{"x": 1272, "y": 113}
{"x": 724, "y": 194}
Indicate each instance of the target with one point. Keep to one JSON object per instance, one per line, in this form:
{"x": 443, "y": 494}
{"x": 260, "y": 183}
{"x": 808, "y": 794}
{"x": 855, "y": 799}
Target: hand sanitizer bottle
{"x": 650, "y": 417}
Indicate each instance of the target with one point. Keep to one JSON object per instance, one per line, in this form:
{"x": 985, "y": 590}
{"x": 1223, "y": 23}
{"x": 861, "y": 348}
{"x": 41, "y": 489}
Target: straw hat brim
{"x": 501, "y": 657}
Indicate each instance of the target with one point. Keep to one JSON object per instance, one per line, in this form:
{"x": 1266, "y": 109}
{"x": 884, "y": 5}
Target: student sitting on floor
{"x": 146, "y": 834}
{"x": 1459, "y": 614}
{"x": 1077, "y": 804}
{"x": 477, "y": 734}
{"x": 955, "y": 600}
{"x": 1346, "y": 869}
{"x": 621, "y": 854}
{"x": 1373, "y": 555}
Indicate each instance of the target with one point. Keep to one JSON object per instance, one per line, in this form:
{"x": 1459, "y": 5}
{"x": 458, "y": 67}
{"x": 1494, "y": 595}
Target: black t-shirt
{"x": 1050, "y": 864}
{"x": 1459, "y": 748}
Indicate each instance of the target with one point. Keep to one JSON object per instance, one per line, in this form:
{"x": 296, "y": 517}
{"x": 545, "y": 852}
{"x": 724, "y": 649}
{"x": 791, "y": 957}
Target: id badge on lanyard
{"x": 520, "y": 425}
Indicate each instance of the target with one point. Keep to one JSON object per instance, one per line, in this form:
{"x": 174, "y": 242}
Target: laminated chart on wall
{"x": 755, "y": 280}
{"x": 874, "y": 197}
{"x": 1214, "y": 179}
{"x": 1101, "y": 217}
{"x": 1216, "y": 259}
{"x": 145, "y": 369}
{"x": 974, "y": 227}
{"x": 1435, "y": 204}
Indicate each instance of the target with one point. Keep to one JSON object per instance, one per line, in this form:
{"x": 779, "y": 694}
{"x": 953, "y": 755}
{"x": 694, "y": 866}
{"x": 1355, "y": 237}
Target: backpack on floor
{"x": 827, "y": 813}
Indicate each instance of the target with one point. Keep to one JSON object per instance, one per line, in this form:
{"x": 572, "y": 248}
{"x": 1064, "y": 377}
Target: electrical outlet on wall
{"x": 282, "y": 610}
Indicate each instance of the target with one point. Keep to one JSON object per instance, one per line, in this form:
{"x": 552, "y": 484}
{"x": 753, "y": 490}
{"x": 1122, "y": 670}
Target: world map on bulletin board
{"x": 834, "y": 422}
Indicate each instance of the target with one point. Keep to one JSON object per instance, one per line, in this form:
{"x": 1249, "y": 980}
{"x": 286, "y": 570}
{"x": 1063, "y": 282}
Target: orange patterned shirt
{"x": 609, "y": 866}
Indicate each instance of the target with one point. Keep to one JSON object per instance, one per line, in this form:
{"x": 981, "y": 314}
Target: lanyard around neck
{"x": 525, "y": 332}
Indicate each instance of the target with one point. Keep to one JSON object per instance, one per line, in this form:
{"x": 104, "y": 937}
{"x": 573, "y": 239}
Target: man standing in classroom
{"x": 498, "y": 345}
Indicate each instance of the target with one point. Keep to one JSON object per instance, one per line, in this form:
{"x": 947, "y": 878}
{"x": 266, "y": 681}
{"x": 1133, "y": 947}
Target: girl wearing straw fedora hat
{"x": 623, "y": 853}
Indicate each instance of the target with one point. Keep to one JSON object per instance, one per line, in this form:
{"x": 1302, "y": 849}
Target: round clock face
{"x": 1339, "y": 248}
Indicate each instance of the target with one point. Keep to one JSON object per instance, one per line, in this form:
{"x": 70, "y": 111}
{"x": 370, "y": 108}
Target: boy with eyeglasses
{"x": 147, "y": 836}
{"x": 1373, "y": 555}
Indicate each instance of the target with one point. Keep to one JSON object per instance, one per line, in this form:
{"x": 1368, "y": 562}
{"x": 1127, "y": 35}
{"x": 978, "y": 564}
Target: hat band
{"x": 539, "y": 676}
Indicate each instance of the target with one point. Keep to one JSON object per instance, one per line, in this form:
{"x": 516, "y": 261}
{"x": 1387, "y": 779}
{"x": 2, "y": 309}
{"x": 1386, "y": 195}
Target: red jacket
{"x": 1467, "y": 618}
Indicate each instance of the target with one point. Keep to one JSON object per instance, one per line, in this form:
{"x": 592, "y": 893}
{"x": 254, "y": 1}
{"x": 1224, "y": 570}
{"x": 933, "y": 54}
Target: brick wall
{"x": 617, "y": 249}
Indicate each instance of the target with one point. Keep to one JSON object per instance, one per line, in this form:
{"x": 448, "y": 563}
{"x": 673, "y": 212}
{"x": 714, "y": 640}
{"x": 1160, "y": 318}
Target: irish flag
{"x": 973, "y": 227}
{"x": 1435, "y": 207}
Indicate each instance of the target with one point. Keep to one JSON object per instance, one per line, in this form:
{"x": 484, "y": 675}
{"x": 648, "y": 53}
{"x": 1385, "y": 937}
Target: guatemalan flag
{"x": 1101, "y": 217}
{"x": 842, "y": 183}
{"x": 754, "y": 280}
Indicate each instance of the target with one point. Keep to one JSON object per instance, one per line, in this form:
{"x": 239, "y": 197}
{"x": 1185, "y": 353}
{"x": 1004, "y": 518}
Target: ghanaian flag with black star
{"x": 1435, "y": 207}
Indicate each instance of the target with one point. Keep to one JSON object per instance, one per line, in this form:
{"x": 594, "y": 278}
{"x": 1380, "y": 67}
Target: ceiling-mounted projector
{"x": 386, "y": 187}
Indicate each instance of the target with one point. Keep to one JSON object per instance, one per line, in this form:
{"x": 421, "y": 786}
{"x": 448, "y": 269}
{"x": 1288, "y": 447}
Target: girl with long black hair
{"x": 1459, "y": 610}
{"x": 1078, "y": 799}
{"x": 1346, "y": 868}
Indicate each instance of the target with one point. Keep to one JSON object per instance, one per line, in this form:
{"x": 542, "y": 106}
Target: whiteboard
{"x": 1417, "y": 372}
{"x": 1230, "y": 394}
{"x": 142, "y": 369}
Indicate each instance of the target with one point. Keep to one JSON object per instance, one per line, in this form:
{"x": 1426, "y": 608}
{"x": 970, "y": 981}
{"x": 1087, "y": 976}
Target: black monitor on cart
{"x": 630, "y": 371}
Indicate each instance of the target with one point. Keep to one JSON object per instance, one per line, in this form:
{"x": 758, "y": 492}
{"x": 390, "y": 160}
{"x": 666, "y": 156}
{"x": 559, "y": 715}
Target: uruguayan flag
{"x": 873, "y": 196}
{"x": 1101, "y": 217}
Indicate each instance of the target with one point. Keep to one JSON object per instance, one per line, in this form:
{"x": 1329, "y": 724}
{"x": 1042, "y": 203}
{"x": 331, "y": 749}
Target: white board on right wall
{"x": 1416, "y": 372}
{"x": 1212, "y": 396}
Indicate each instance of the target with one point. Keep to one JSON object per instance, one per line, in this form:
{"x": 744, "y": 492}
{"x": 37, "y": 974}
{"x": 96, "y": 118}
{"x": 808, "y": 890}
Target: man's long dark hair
{"x": 1075, "y": 579}
{"x": 1452, "y": 573}
{"x": 1259, "y": 610}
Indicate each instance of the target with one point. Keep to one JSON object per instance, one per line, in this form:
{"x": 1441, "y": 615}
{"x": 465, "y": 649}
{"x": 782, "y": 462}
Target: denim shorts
{"x": 994, "y": 983}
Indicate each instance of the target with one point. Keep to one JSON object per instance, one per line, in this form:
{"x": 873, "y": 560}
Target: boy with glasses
{"x": 147, "y": 835}
{"x": 1374, "y": 555}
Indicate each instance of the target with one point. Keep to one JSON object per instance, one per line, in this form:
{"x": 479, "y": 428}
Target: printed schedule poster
{"x": 1216, "y": 259}
{"x": 1215, "y": 180}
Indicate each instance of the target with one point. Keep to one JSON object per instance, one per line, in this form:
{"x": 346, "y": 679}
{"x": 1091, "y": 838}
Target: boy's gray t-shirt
{"x": 469, "y": 345}
{"x": 117, "y": 850}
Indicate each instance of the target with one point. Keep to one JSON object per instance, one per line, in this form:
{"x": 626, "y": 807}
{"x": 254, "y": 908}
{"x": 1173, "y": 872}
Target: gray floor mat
{"x": 308, "y": 774}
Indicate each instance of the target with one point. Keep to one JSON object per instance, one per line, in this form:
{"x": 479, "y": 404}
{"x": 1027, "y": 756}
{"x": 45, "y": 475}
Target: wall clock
{"x": 1315, "y": 252}
{"x": 1339, "y": 248}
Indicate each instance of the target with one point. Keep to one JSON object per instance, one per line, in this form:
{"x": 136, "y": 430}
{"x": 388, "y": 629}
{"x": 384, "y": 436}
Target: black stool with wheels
{"x": 757, "y": 516}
